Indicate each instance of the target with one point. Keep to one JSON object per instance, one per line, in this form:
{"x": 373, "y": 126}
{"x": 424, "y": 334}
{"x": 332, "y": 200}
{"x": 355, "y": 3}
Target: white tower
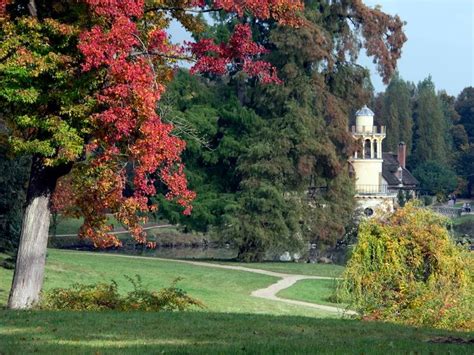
{"x": 367, "y": 162}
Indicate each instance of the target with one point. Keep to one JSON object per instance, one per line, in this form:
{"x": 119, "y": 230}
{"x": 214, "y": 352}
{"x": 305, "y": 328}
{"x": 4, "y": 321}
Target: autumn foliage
{"x": 406, "y": 269}
{"x": 82, "y": 81}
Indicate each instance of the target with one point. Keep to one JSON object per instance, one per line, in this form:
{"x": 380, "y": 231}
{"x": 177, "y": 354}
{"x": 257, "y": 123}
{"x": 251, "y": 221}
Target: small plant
{"x": 105, "y": 296}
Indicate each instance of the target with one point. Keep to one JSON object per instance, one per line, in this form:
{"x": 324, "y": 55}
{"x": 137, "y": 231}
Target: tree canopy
{"x": 81, "y": 83}
{"x": 272, "y": 142}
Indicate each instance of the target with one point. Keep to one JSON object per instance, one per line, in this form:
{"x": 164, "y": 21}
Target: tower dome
{"x": 364, "y": 119}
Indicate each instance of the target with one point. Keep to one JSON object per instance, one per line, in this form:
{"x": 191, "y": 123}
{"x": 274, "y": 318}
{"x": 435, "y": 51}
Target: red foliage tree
{"x": 110, "y": 140}
{"x": 81, "y": 84}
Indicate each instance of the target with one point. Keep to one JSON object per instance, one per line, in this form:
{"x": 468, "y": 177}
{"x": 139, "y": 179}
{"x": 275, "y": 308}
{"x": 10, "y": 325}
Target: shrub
{"x": 406, "y": 269}
{"x": 105, "y": 296}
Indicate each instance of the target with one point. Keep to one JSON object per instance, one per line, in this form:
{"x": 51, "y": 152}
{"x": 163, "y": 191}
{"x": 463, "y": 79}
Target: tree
{"x": 465, "y": 108}
{"x": 216, "y": 128}
{"x": 463, "y": 137}
{"x": 304, "y": 138}
{"x": 80, "y": 81}
{"x": 406, "y": 269}
{"x": 435, "y": 178}
{"x": 429, "y": 141}
{"x": 13, "y": 182}
{"x": 397, "y": 114}
{"x": 465, "y": 166}
{"x": 262, "y": 145}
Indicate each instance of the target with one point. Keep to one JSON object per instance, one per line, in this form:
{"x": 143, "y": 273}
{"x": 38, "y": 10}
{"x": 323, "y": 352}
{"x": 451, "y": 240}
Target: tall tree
{"x": 275, "y": 141}
{"x": 451, "y": 117}
{"x": 305, "y": 140}
{"x": 465, "y": 108}
{"x": 397, "y": 114}
{"x": 463, "y": 135}
{"x": 429, "y": 141}
{"x": 80, "y": 82}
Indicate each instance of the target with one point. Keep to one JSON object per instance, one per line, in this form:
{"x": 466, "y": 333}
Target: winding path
{"x": 270, "y": 292}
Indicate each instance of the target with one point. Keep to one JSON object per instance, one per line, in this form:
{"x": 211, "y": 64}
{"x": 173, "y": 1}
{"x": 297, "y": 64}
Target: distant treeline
{"x": 438, "y": 130}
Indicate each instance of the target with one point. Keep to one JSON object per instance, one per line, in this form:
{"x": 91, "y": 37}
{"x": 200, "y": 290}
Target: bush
{"x": 406, "y": 269}
{"x": 427, "y": 200}
{"x": 105, "y": 296}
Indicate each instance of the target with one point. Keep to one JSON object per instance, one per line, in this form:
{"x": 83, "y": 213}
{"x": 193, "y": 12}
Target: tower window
{"x": 367, "y": 149}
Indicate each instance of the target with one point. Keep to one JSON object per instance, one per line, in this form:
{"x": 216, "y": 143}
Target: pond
{"x": 181, "y": 253}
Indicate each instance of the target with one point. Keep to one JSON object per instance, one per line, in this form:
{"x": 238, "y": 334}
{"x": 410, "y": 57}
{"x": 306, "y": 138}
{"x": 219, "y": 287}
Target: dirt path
{"x": 270, "y": 292}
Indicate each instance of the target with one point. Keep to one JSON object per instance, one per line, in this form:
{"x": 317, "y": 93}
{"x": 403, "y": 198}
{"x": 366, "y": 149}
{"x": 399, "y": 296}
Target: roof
{"x": 365, "y": 111}
{"x": 389, "y": 171}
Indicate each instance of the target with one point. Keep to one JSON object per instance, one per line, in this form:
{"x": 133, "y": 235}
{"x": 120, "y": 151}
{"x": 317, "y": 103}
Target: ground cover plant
{"x": 406, "y": 268}
{"x": 105, "y": 296}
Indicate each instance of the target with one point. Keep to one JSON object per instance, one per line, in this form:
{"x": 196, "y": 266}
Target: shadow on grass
{"x": 205, "y": 333}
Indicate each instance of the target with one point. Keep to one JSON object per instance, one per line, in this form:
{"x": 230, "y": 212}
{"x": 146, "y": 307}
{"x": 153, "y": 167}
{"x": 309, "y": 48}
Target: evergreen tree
{"x": 397, "y": 114}
{"x": 463, "y": 135}
{"x": 277, "y": 139}
{"x": 429, "y": 141}
{"x": 305, "y": 140}
{"x": 465, "y": 108}
{"x": 216, "y": 128}
{"x": 451, "y": 117}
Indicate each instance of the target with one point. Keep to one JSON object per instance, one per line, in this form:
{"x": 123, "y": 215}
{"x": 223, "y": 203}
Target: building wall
{"x": 379, "y": 205}
{"x": 368, "y": 172}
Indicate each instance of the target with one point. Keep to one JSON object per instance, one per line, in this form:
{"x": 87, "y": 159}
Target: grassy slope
{"x": 231, "y": 324}
{"x": 295, "y": 268}
{"x": 220, "y": 290}
{"x": 463, "y": 219}
{"x": 208, "y": 333}
{"x": 316, "y": 291}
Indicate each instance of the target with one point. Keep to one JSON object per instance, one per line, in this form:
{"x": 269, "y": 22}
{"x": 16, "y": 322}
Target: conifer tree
{"x": 429, "y": 141}
{"x": 397, "y": 114}
{"x": 305, "y": 141}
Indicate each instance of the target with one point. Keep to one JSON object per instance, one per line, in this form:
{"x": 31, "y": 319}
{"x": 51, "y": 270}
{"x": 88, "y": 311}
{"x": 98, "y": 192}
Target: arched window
{"x": 367, "y": 145}
{"x": 375, "y": 149}
{"x": 368, "y": 211}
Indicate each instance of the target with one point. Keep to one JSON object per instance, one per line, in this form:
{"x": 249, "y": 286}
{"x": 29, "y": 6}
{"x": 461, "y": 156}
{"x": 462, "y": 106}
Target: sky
{"x": 440, "y": 42}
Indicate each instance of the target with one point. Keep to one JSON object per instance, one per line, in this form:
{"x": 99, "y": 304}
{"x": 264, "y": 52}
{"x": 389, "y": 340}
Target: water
{"x": 182, "y": 253}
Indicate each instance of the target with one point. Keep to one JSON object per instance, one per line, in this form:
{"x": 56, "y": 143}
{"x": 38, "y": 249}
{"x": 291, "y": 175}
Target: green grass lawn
{"x": 209, "y": 333}
{"x": 221, "y": 290}
{"x": 233, "y": 322}
{"x": 463, "y": 219}
{"x": 295, "y": 268}
{"x": 315, "y": 291}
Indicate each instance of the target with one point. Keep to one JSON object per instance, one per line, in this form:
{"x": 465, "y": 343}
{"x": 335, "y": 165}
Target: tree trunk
{"x": 31, "y": 257}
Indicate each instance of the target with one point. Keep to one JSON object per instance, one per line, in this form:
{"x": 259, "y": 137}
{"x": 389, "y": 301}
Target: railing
{"x": 376, "y": 130}
{"x": 447, "y": 211}
{"x": 372, "y": 190}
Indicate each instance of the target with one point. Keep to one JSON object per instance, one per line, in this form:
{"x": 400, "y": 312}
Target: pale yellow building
{"x": 372, "y": 191}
